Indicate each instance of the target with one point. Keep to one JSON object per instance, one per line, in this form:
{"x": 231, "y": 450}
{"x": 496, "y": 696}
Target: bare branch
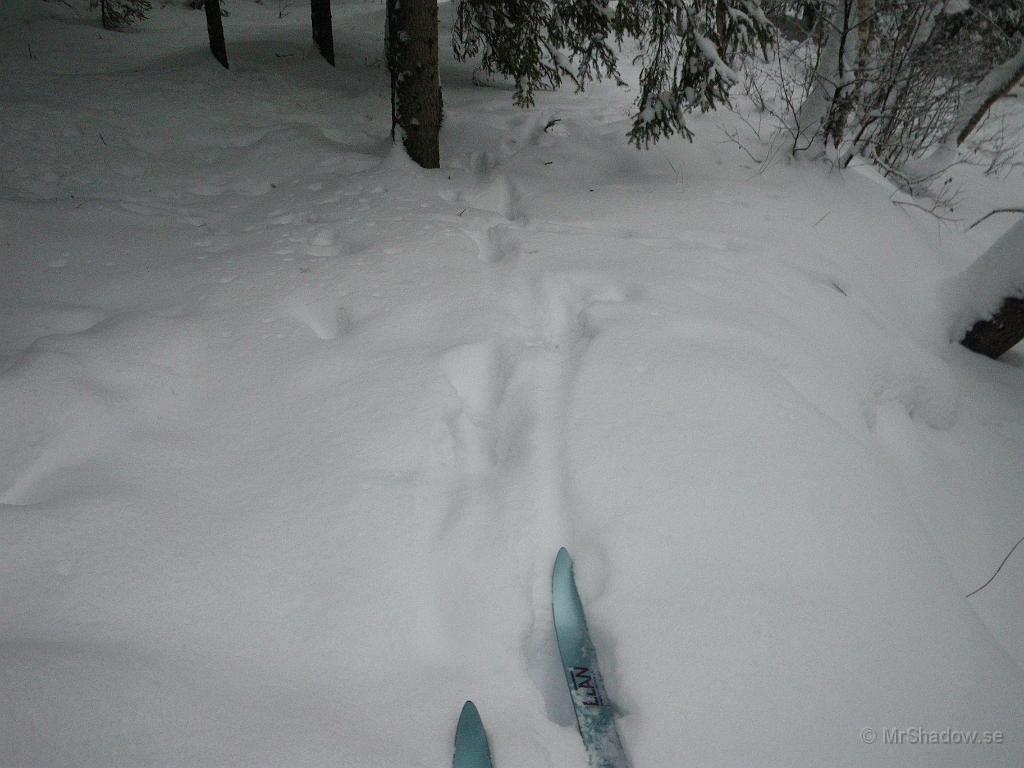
{"x": 993, "y": 212}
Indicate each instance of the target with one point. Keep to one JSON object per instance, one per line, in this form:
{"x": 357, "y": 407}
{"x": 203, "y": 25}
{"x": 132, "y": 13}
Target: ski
{"x": 594, "y": 714}
{"x": 471, "y": 747}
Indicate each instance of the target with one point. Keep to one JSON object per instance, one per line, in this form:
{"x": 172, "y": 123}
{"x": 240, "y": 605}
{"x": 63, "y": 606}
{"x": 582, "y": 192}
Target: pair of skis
{"x": 594, "y": 715}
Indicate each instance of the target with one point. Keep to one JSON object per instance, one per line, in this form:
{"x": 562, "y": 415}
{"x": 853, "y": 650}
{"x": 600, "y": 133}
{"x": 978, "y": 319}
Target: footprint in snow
{"x": 500, "y": 196}
{"x": 566, "y": 297}
{"x": 320, "y": 310}
{"x": 325, "y": 244}
{"x": 476, "y": 375}
{"x": 494, "y": 243}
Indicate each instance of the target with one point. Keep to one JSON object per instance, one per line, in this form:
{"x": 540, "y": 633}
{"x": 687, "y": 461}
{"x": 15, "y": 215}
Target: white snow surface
{"x": 292, "y": 429}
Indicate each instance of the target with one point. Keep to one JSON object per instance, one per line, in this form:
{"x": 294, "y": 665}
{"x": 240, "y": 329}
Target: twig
{"x": 931, "y": 210}
{"x": 990, "y": 578}
{"x": 733, "y": 138}
{"x": 824, "y": 216}
{"x": 679, "y": 177}
{"x": 992, "y": 213}
{"x": 102, "y": 139}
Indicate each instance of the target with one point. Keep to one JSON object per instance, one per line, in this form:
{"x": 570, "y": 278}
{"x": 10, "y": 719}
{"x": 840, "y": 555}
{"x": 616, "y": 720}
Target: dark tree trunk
{"x": 721, "y": 22}
{"x": 105, "y": 15}
{"x": 216, "y": 29}
{"x": 323, "y": 35}
{"x": 1000, "y": 334}
{"x": 415, "y": 81}
{"x": 810, "y": 16}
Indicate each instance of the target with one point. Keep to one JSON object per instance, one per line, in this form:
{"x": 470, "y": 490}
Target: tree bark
{"x": 415, "y": 79}
{"x": 323, "y": 34}
{"x": 215, "y": 28}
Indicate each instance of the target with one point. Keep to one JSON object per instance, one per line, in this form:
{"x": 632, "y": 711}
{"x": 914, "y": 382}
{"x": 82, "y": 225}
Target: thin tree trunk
{"x": 323, "y": 34}
{"x": 216, "y": 30}
{"x": 104, "y": 15}
{"x": 996, "y": 84}
{"x": 821, "y": 113}
{"x": 846, "y": 74}
{"x": 999, "y": 82}
{"x": 415, "y": 80}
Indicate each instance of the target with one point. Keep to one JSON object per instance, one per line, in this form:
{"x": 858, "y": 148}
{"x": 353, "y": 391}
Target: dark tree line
{"x": 119, "y": 14}
{"x": 320, "y": 17}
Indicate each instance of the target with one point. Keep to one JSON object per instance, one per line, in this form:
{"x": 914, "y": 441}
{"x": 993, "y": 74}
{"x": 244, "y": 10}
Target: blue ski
{"x": 471, "y": 748}
{"x": 594, "y": 714}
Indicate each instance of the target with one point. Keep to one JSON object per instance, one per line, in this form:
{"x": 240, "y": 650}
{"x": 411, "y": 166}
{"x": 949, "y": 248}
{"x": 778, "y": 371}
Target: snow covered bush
{"x": 687, "y": 51}
{"x": 884, "y": 79}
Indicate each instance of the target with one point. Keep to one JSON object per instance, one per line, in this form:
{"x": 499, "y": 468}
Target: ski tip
{"x": 471, "y": 747}
{"x": 469, "y": 712}
{"x": 563, "y": 561}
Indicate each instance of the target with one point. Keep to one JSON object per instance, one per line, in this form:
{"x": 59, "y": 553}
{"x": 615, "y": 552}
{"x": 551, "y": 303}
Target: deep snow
{"x": 292, "y": 430}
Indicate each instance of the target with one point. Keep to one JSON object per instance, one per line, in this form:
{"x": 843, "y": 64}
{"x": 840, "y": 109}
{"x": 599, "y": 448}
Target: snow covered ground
{"x": 291, "y": 430}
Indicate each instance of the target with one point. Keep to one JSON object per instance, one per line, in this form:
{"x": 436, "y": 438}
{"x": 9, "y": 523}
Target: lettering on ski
{"x": 594, "y": 715}
{"x": 585, "y": 683}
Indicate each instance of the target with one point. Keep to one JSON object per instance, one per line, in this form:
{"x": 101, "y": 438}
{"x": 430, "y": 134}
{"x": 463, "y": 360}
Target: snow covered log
{"x": 989, "y": 297}
{"x": 1001, "y": 333}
